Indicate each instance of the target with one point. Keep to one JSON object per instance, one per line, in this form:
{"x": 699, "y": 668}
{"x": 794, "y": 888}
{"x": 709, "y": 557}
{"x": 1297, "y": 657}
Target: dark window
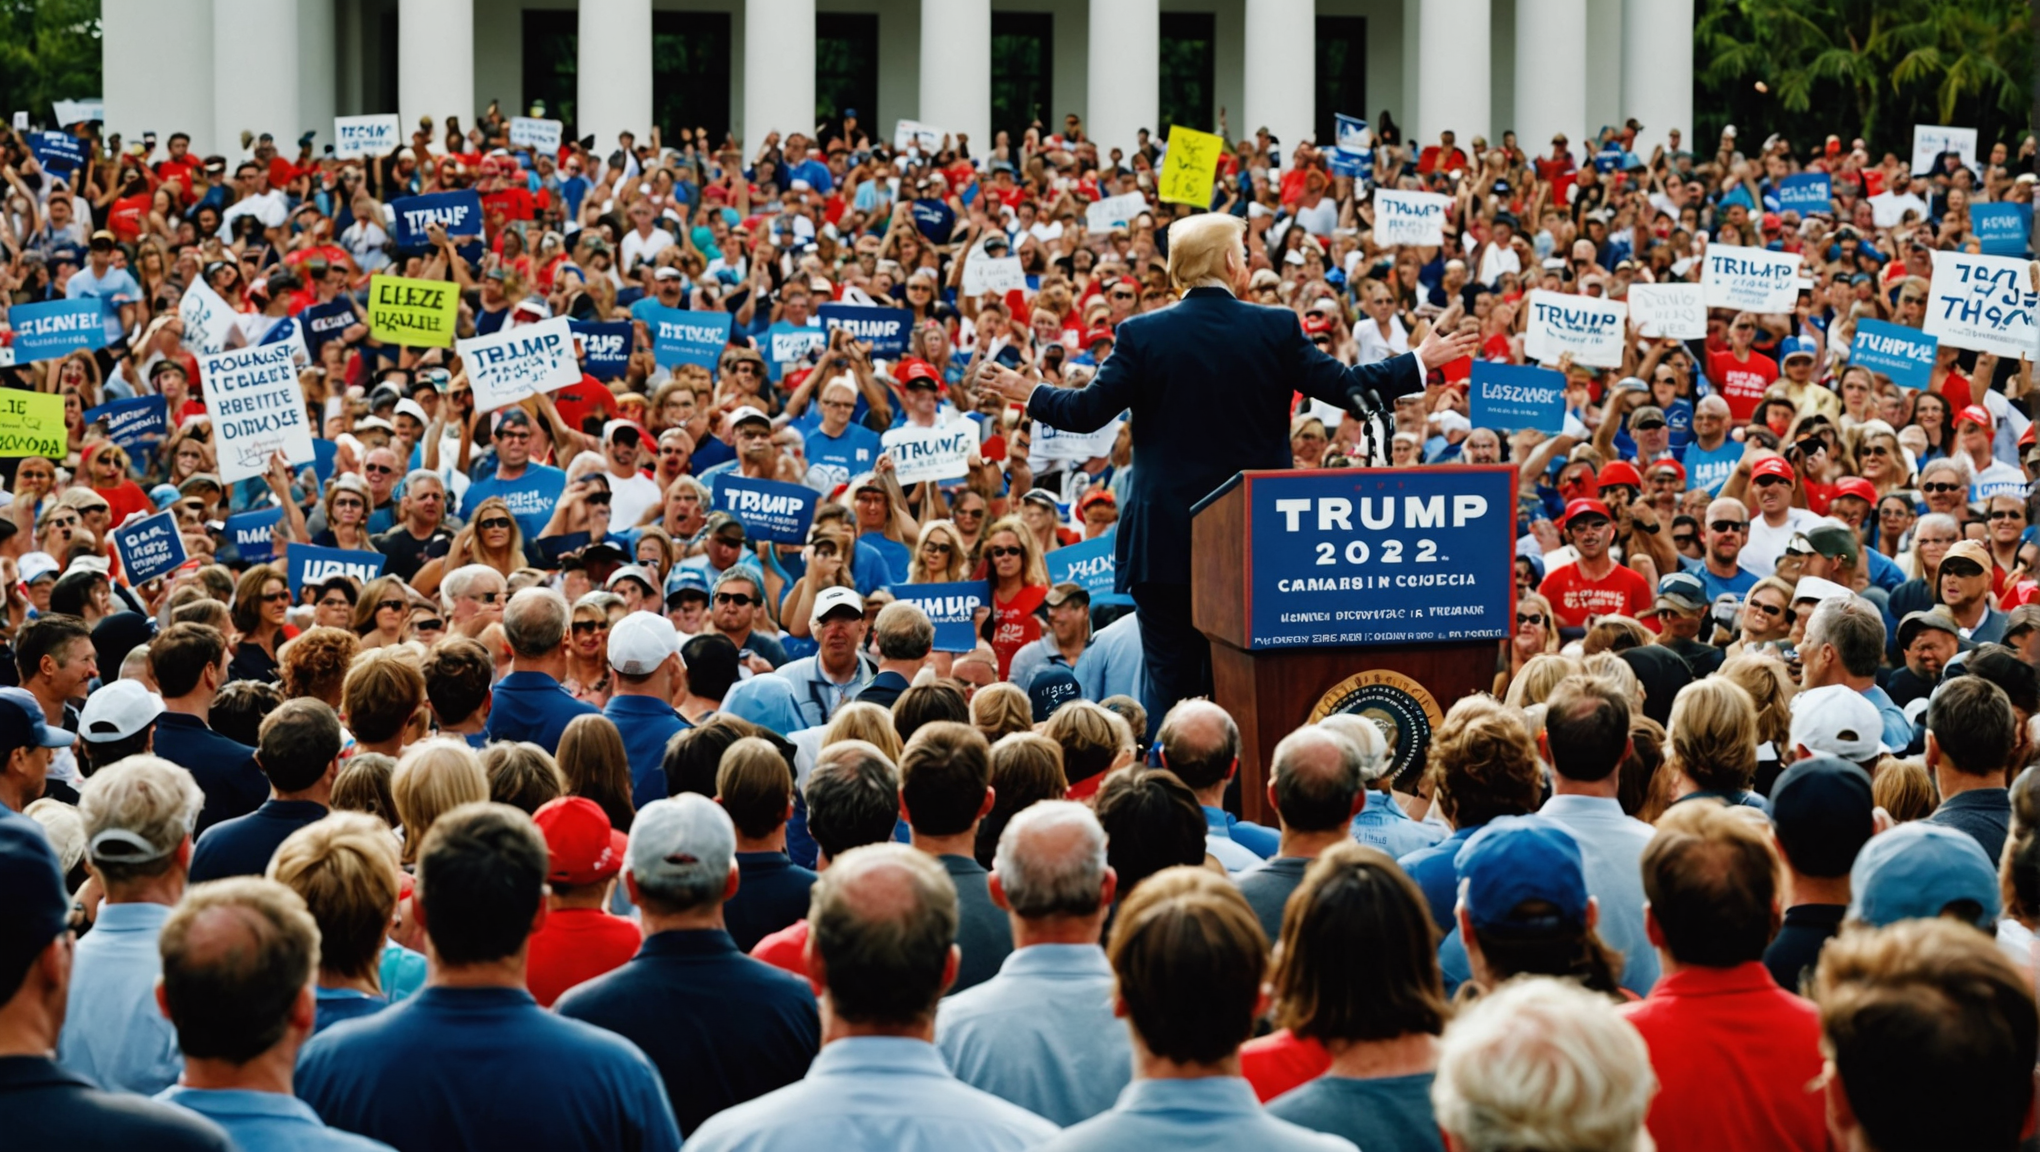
{"x": 551, "y": 63}
{"x": 1023, "y": 45}
{"x": 846, "y": 68}
{"x": 1341, "y": 72}
{"x": 691, "y": 73}
{"x": 386, "y": 67}
{"x": 1187, "y": 50}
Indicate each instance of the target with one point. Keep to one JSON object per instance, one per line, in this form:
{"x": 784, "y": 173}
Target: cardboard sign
{"x": 983, "y": 274}
{"x": 1930, "y": 140}
{"x": 605, "y": 348}
{"x": 323, "y": 322}
{"x": 1984, "y": 302}
{"x": 1751, "y": 279}
{"x": 1114, "y": 211}
{"x": 418, "y": 313}
{"x": 770, "y": 510}
{"x": 886, "y": 330}
{"x": 311, "y": 565}
{"x": 681, "y": 337}
{"x": 1091, "y": 564}
{"x": 1351, "y": 135}
{"x": 133, "y": 422}
{"x": 1056, "y": 444}
{"x": 71, "y": 112}
{"x": 373, "y": 135}
{"x": 1190, "y": 167}
{"x": 207, "y": 318}
{"x": 538, "y": 135}
{"x": 1409, "y": 218}
{"x": 460, "y": 213}
{"x": 59, "y": 152}
{"x": 57, "y": 328}
{"x": 2001, "y": 229}
{"x": 32, "y": 424}
{"x": 514, "y": 363}
{"x": 1592, "y": 329}
{"x": 1508, "y": 397}
{"x": 149, "y": 547}
{"x": 939, "y": 453}
{"x": 1806, "y": 193}
{"x": 257, "y": 409}
{"x": 1678, "y": 311}
{"x": 952, "y": 608}
{"x": 253, "y": 534}
{"x": 914, "y": 134}
{"x": 1906, "y": 355}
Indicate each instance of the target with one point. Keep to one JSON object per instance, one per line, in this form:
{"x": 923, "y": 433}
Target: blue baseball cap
{"x": 683, "y": 580}
{"x": 163, "y": 495}
{"x": 1052, "y": 688}
{"x": 1915, "y": 870}
{"x": 1515, "y": 859}
{"x": 33, "y": 902}
{"x": 22, "y": 724}
{"x": 1796, "y": 346}
{"x": 768, "y": 702}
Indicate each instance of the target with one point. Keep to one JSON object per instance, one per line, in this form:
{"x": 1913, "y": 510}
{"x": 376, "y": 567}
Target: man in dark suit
{"x": 1208, "y": 382}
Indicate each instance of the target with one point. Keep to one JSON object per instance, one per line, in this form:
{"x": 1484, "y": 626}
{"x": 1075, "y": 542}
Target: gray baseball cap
{"x": 684, "y": 840}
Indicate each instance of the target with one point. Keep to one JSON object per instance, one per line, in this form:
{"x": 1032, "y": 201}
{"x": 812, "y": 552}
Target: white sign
{"x": 1674, "y": 310}
{"x": 1751, "y": 279}
{"x": 984, "y": 274}
{"x": 914, "y": 134}
{"x": 514, "y": 363}
{"x": 1930, "y": 140}
{"x": 1984, "y": 302}
{"x": 939, "y": 453}
{"x": 356, "y": 136}
{"x": 1592, "y": 329}
{"x": 257, "y": 409}
{"x": 1111, "y": 212}
{"x": 1409, "y": 218}
{"x": 1056, "y": 444}
{"x": 540, "y": 135}
{"x": 207, "y": 318}
{"x": 70, "y": 112}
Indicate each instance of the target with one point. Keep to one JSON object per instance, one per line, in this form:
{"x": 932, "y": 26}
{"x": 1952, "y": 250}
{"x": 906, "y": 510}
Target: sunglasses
{"x": 354, "y": 504}
{"x": 736, "y": 598}
{"x": 2007, "y": 514}
{"x": 1772, "y": 610}
{"x": 937, "y": 546}
{"x": 596, "y": 498}
{"x": 1767, "y": 481}
{"x": 1875, "y": 451}
{"x": 971, "y": 513}
{"x": 494, "y": 524}
{"x": 1941, "y": 488}
{"x": 378, "y": 469}
{"x": 1530, "y": 618}
{"x": 275, "y": 597}
{"x": 429, "y": 624}
{"x": 335, "y": 602}
{"x": 387, "y": 605}
{"x": 1728, "y": 525}
{"x": 1002, "y": 553}
{"x": 485, "y": 597}
{"x": 589, "y": 627}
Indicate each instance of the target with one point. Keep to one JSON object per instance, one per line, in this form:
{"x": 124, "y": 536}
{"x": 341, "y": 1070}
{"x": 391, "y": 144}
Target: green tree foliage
{"x": 49, "y": 51}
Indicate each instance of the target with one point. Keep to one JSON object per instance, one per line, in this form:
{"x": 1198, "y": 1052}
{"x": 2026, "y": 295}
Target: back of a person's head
{"x": 237, "y": 956}
{"x": 711, "y": 662}
{"x": 522, "y": 775}
{"x": 1316, "y": 779}
{"x": 297, "y": 743}
{"x": 925, "y": 704}
{"x": 862, "y": 720}
{"x": 1200, "y": 743}
{"x": 1051, "y": 861}
{"x": 1091, "y": 739}
{"x": 882, "y": 919}
{"x": 1377, "y": 758}
{"x": 481, "y": 879}
{"x": 1026, "y": 769}
{"x": 535, "y": 622}
{"x": 344, "y": 867}
{"x": 903, "y": 631}
{"x": 754, "y": 784}
{"x": 1970, "y": 721}
{"x": 433, "y": 778}
{"x": 240, "y": 708}
{"x": 383, "y": 691}
{"x": 1713, "y": 734}
{"x": 1359, "y": 956}
{"x": 137, "y": 812}
{"x": 1484, "y": 763}
{"x": 1586, "y": 725}
{"x": 945, "y": 770}
{"x": 1905, "y": 789}
{"x": 1542, "y": 1064}
{"x": 1534, "y": 681}
{"x": 1710, "y": 876}
{"x": 1928, "y": 1010}
{"x": 1152, "y": 821}
{"x": 458, "y": 675}
{"x": 1130, "y": 710}
{"x": 180, "y": 655}
{"x": 363, "y": 785}
{"x": 1001, "y": 709}
{"x": 2008, "y": 670}
{"x": 853, "y": 797}
{"x": 316, "y": 661}
{"x": 1190, "y": 956}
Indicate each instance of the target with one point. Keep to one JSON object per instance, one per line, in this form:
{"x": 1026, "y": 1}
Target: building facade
{"x": 216, "y": 68}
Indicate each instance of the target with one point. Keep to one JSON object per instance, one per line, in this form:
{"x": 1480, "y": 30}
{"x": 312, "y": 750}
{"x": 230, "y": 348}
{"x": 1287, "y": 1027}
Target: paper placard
{"x": 1751, "y": 279}
{"x": 69, "y": 112}
{"x": 1114, "y": 211}
{"x": 951, "y": 607}
{"x": 939, "y": 453}
{"x": 257, "y": 409}
{"x": 418, "y": 313}
{"x": 1509, "y": 397}
{"x": 605, "y": 347}
{"x": 32, "y": 424}
{"x": 984, "y": 274}
{"x": 1906, "y": 355}
{"x": 514, "y": 363}
{"x": 207, "y": 318}
{"x": 133, "y": 422}
{"x": 149, "y": 547}
{"x": 1806, "y": 193}
{"x": 1056, "y": 444}
{"x": 1984, "y": 302}
{"x": 311, "y": 565}
{"x": 1190, "y": 167}
{"x": 56, "y": 328}
{"x": 770, "y": 510}
{"x": 886, "y": 330}
{"x": 374, "y": 135}
{"x": 1678, "y": 311}
{"x": 1090, "y": 564}
{"x": 1592, "y": 329}
{"x": 2001, "y": 229}
{"x": 460, "y": 213}
{"x": 539, "y": 135}
{"x": 1930, "y": 140}
{"x": 1406, "y": 218}
{"x": 1351, "y": 135}
{"x": 785, "y": 344}
{"x": 914, "y": 134}
{"x": 253, "y": 534}
{"x": 682, "y": 337}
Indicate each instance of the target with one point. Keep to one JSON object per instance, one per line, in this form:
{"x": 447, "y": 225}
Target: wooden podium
{"x": 1403, "y": 686}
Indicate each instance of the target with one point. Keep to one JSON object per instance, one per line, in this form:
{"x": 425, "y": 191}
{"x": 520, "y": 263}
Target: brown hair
{"x": 1711, "y": 877}
{"x": 315, "y": 663}
{"x": 595, "y": 766}
{"x": 522, "y": 775}
{"x": 1001, "y": 709}
{"x": 1189, "y": 956}
{"x": 1904, "y": 789}
{"x": 458, "y": 674}
{"x": 1090, "y": 737}
{"x": 1152, "y": 821}
{"x": 1586, "y": 725}
{"x": 1359, "y": 956}
{"x": 363, "y": 785}
{"x": 755, "y": 786}
{"x": 1713, "y": 733}
{"x": 382, "y": 692}
{"x": 1026, "y": 769}
{"x": 1484, "y": 763}
{"x": 180, "y": 654}
{"x": 944, "y": 773}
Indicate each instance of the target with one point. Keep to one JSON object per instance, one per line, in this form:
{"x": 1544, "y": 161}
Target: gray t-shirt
{"x": 1388, "y": 1114}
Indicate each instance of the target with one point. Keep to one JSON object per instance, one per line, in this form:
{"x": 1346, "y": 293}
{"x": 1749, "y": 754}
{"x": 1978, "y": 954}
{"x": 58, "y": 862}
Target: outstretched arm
{"x": 1085, "y": 409}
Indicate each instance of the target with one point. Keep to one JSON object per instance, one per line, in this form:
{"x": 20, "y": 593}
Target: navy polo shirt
{"x": 722, "y": 1028}
{"x": 648, "y": 724}
{"x": 532, "y": 706}
{"x": 225, "y": 769}
{"x": 242, "y": 846}
{"x": 772, "y": 893}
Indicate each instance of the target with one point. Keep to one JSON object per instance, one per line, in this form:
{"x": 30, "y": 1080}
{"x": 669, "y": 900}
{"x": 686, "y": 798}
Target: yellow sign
{"x": 32, "y": 424}
{"x": 1191, "y": 166}
{"x": 418, "y": 313}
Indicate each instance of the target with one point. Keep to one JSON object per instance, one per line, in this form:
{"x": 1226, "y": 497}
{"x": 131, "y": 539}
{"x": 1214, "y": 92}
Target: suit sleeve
{"x": 1322, "y": 378}
{"x": 1091, "y": 407}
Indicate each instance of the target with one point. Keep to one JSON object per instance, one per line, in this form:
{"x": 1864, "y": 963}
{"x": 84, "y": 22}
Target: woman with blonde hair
{"x": 433, "y": 778}
{"x": 347, "y": 504}
{"x": 1533, "y": 683}
{"x": 1615, "y": 634}
{"x": 491, "y": 537}
{"x": 595, "y": 766}
{"x": 346, "y": 869}
{"x": 1001, "y": 709}
{"x": 1769, "y": 683}
{"x": 1026, "y": 769}
{"x": 1536, "y": 634}
{"x": 1095, "y": 743}
{"x": 867, "y": 722}
{"x": 588, "y": 676}
{"x": 1019, "y": 578}
{"x": 382, "y": 614}
{"x": 940, "y": 556}
{"x": 1713, "y": 743}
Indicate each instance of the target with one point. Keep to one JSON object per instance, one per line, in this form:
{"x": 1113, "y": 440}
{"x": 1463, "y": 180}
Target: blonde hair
{"x": 1202, "y": 246}
{"x": 345, "y": 868}
{"x": 1091, "y": 737}
{"x": 522, "y": 775}
{"x": 1713, "y": 735}
{"x": 433, "y": 778}
{"x": 1615, "y": 672}
{"x": 1904, "y": 789}
{"x": 1770, "y": 686}
{"x": 859, "y": 720}
{"x": 1001, "y": 709}
{"x": 1534, "y": 681}
{"x": 63, "y": 827}
{"x": 1615, "y": 634}
{"x": 145, "y": 797}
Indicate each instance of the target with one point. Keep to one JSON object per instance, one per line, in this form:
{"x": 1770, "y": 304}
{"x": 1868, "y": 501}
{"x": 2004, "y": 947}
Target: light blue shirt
{"x": 1384, "y": 825}
{"x": 1218, "y": 841}
{"x": 113, "y": 1031}
{"x": 112, "y": 290}
{"x": 1211, "y": 1112}
{"x": 268, "y": 1121}
{"x": 1898, "y": 730}
{"x": 1041, "y": 1033}
{"x": 1115, "y": 664}
{"x": 1611, "y": 851}
{"x": 874, "y": 1094}
{"x": 1037, "y": 657}
{"x": 817, "y": 695}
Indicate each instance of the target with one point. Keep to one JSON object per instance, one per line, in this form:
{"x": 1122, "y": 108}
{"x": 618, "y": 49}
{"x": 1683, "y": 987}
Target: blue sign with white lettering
{"x": 1507, "y": 397}
{"x": 1904, "y": 354}
{"x": 57, "y": 151}
{"x": 149, "y": 547}
{"x": 605, "y": 347}
{"x": 1091, "y": 564}
{"x": 58, "y": 328}
{"x": 253, "y": 534}
{"x": 784, "y": 344}
{"x": 952, "y": 607}
{"x": 324, "y": 454}
{"x": 460, "y": 213}
{"x": 770, "y": 510}
{"x": 323, "y": 322}
{"x": 682, "y": 337}
{"x": 310, "y": 565}
{"x": 886, "y": 330}
{"x": 1377, "y": 556}
{"x": 133, "y": 422}
{"x": 2001, "y": 229}
{"x": 1806, "y": 193}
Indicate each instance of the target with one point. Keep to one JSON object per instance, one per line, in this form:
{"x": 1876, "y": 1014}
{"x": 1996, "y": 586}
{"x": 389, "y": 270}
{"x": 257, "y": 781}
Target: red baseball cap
{"x": 2026, "y": 437}
{"x": 1858, "y": 487}
{"x": 1619, "y": 472}
{"x": 1772, "y": 466}
{"x": 1674, "y": 465}
{"x": 1096, "y": 496}
{"x": 1316, "y": 323}
{"x": 1586, "y": 507}
{"x": 1092, "y": 337}
{"x": 1976, "y": 414}
{"x": 918, "y": 369}
{"x": 584, "y": 848}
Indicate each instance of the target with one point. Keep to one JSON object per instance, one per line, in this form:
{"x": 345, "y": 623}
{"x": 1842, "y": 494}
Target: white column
{"x": 255, "y": 86}
{"x": 157, "y": 58}
{"x": 614, "y": 87}
{"x": 1453, "y": 45}
{"x": 318, "y": 71}
{"x": 435, "y": 64}
{"x": 1657, "y": 70}
{"x": 1125, "y": 74}
{"x": 1551, "y": 84}
{"x": 1281, "y": 71}
{"x": 779, "y": 71}
{"x": 956, "y": 69}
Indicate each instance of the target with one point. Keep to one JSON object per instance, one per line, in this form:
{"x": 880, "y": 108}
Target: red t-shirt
{"x": 574, "y": 946}
{"x": 515, "y": 202}
{"x": 1017, "y": 626}
{"x": 1741, "y": 382}
{"x": 1280, "y": 1062}
{"x": 125, "y": 500}
{"x": 125, "y": 218}
{"x": 785, "y": 949}
{"x": 1574, "y": 597}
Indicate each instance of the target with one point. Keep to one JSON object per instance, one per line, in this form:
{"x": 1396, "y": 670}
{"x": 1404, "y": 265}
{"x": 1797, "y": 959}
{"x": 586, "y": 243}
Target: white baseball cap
{"x": 681, "y": 840}
{"x": 36, "y": 565}
{"x": 637, "y": 572}
{"x": 1816, "y": 589}
{"x": 830, "y": 599}
{"x": 118, "y": 711}
{"x": 1837, "y": 720}
{"x": 748, "y": 413}
{"x": 639, "y": 643}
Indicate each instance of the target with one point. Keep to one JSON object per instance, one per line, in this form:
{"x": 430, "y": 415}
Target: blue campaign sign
{"x": 1091, "y": 564}
{"x": 1904, "y": 354}
{"x": 784, "y": 343}
{"x": 1507, "y": 397}
{"x": 886, "y": 330}
{"x": 323, "y": 322}
{"x": 681, "y": 337}
{"x": 48, "y": 331}
{"x": 310, "y": 565}
{"x": 253, "y": 534}
{"x": 2001, "y": 229}
{"x": 149, "y": 547}
{"x": 605, "y": 347}
{"x": 1806, "y": 193}
{"x": 133, "y": 422}
{"x": 769, "y": 509}
{"x": 57, "y": 151}
{"x": 1351, "y": 135}
{"x": 1378, "y": 556}
{"x": 951, "y": 607}
{"x": 323, "y": 454}
{"x": 460, "y": 213}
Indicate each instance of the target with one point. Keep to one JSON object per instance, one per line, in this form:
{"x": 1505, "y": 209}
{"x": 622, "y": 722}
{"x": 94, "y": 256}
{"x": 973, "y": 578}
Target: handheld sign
{"x": 1507, "y": 397}
{"x": 372, "y": 135}
{"x": 1055, "y": 444}
{"x": 207, "y": 318}
{"x": 323, "y": 322}
{"x": 57, "y": 328}
{"x": 605, "y": 348}
{"x": 680, "y": 337}
{"x": 786, "y": 343}
{"x": 71, "y": 112}
{"x": 1751, "y": 279}
{"x": 939, "y": 453}
{"x": 2001, "y": 229}
{"x": 311, "y": 565}
{"x": 1114, "y": 211}
{"x": 149, "y": 547}
{"x": 253, "y": 534}
{"x": 257, "y": 409}
{"x": 1984, "y": 302}
{"x": 133, "y": 422}
{"x": 1351, "y": 135}
{"x": 1353, "y": 167}
{"x": 1409, "y": 217}
{"x": 32, "y": 424}
{"x": 951, "y": 607}
{"x": 1906, "y": 355}
{"x": 982, "y": 274}
{"x": 1190, "y": 167}
{"x": 460, "y": 213}
{"x": 1091, "y": 564}
{"x": 886, "y": 330}
{"x": 419, "y": 313}
{"x": 1930, "y": 140}
{"x": 514, "y": 363}
{"x": 772, "y": 511}
{"x": 1592, "y": 329}
{"x": 1806, "y": 193}
{"x": 57, "y": 151}
{"x": 1677, "y": 311}
{"x": 538, "y": 135}
{"x": 914, "y": 134}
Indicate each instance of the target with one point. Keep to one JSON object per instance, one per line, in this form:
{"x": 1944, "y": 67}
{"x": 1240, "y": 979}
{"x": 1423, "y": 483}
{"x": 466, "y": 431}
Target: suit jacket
{"x": 1208, "y": 381}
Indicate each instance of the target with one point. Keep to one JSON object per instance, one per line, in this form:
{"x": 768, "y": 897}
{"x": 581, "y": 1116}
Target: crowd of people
{"x": 599, "y": 820}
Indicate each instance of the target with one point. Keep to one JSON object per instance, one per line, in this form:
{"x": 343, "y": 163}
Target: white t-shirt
{"x": 1498, "y": 261}
{"x": 270, "y": 207}
{"x": 1373, "y": 348}
{"x": 629, "y": 499}
{"x": 636, "y": 248}
{"x": 1766, "y": 544}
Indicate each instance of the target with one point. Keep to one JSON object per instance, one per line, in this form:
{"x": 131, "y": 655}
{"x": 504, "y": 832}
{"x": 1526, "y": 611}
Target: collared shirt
{"x": 1218, "y": 841}
{"x": 532, "y": 706}
{"x": 1611, "y": 851}
{"x": 1210, "y": 1112}
{"x": 1384, "y": 825}
{"x": 1795, "y": 950}
{"x": 1897, "y": 729}
{"x": 114, "y": 1034}
{"x": 875, "y": 1094}
{"x": 982, "y": 929}
{"x": 1436, "y": 871}
{"x": 648, "y": 724}
{"x": 1985, "y": 813}
{"x": 1115, "y": 664}
{"x": 338, "y": 1004}
{"x": 268, "y": 1121}
{"x": 1037, "y": 657}
{"x": 45, "y": 1106}
{"x": 242, "y": 846}
{"x": 772, "y": 893}
{"x": 817, "y": 695}
{"x": 1041, "y": 1033}
{"x": 1267, "y": 886}
{"x": 225, "y": 769}
{"x": 1377, "y": 1112}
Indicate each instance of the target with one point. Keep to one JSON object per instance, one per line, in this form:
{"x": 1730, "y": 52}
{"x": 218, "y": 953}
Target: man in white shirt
{"x": 257, "y": 199}
{"x": 643, "y": 243}
{"x": 1776, "y": 521}
{"x": 631, "y": 492}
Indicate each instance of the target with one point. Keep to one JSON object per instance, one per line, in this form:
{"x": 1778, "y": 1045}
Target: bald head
{"x": 1315, "y": 779}
{"x": 1200, "y": 743}
{"x": 1051, "y": 861}
{"x": 882, "y": 926}
{"x": 1713, "y": 406}
{"x": 238, "y": 960}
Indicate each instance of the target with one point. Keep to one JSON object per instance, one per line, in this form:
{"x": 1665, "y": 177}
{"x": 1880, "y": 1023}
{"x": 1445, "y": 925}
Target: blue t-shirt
{"x": 531, "y": 496}
{"x": 897, "y": 556}
{"x": 1716, "y": 586}
{"x": 833, "y": 460}
{"x": 111, "y": 290}
{"x": 1710, "y": 470}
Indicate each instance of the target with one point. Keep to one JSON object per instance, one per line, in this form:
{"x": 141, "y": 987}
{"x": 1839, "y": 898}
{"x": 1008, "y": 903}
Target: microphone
{"x": 1364, "y": 403}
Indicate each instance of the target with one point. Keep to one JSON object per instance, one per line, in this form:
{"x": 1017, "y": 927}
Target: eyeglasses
{"x": 1908, "y": 298}
{"x": 335, "y": 602}
{"x": 1941, "y": 488}
{"x": 377, "y": 469}
{"x": 275, "y": 597}
{"x": 1767, "y": 481}
{"x": 736, "y": 598}
{"x": 389, "y": 605}
{"x": 1002, "y": 553}
{"x": 1874, "y": 450}
{"x": 2007, "y": 514}
{"x": 589, "y": 627}
{"x": 1772, "y": 610}
{"x": 494, "y": 524}
{"x": 847, "y": 405}
{"x": 1681, "y": 539}
{"x": 1530, "y": 618}
{"x": 514, "y": 436}
{"x": 971, "y": 513}
{"x": 354, "y": 504}
{"x": 485, "y": 597}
